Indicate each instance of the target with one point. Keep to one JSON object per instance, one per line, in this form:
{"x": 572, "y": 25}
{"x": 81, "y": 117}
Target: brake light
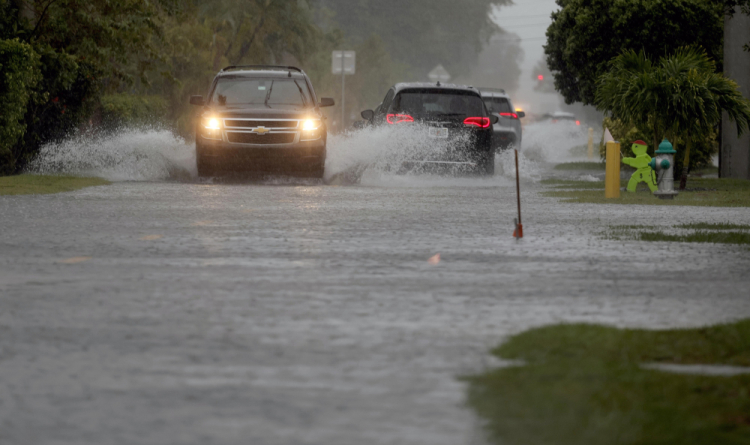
{"x": 510, "y": 115}
{"x": 482, "y": 122}
{"x": 399, "y": 118}
{"x": 578, "y": 123}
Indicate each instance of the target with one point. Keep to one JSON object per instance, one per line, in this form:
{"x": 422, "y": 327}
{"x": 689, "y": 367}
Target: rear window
{"x": 497, "y": 105}
{"x": 438, "y": 102}
{"x": 245, "y": 91}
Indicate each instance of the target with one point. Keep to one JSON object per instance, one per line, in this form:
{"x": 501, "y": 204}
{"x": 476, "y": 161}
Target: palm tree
{"x": 682, "y": 94}
{"x": 697, "y": 97}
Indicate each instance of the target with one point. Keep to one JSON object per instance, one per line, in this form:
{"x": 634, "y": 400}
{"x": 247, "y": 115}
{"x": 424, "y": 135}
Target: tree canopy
{"x": 586, "y": 34}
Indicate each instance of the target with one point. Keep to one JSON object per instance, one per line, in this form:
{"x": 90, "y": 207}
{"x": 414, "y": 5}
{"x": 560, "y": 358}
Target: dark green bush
{"x": 128, "y": 110}
{"x": 19, "y": 75}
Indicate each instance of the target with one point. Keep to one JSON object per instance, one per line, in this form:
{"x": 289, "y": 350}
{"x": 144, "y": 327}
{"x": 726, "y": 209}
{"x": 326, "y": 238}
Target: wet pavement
{"x": 300, "y": 313}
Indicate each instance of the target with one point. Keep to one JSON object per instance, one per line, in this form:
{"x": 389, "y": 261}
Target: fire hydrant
{"x": 663, "y": 164}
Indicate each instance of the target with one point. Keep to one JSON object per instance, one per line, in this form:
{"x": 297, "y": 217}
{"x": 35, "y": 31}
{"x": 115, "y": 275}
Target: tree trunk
{"x": 686, "y": 162}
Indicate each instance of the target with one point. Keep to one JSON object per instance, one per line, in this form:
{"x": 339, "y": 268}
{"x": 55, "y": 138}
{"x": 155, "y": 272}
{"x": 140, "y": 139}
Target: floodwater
{"x": 165, "y": 309}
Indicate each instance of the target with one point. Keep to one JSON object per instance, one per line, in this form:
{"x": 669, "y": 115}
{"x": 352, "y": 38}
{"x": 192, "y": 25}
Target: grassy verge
{"x": 581, "y": 166}
{"x": 41, "y": 184}
{"x": 583, "y": 384}
{"x": 709, "y": 192}
{"x": 698, "y": 237}
{"x": 722, "y": 233}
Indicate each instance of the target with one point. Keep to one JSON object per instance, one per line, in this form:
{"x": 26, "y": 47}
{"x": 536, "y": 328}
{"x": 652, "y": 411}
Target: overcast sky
{"x": 528, "y": 19}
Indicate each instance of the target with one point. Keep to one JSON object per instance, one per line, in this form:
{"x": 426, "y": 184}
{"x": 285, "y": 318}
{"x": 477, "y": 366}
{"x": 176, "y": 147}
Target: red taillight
{"x": 482, "y": 122}
{"x": 578, "y": 122}
{"x": 399, "y": 118}
{"x": 510, "y": 115}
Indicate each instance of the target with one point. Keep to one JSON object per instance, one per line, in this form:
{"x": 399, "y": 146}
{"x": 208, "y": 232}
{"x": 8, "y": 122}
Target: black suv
{"x": 261, "y": 119}
{"x": 452, "y": 119}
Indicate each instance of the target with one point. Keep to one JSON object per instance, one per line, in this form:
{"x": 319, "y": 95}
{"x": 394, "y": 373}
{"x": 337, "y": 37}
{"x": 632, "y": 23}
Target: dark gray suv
{"x": 449, "y": 116}
{"x": 508, "y": 131}
{"x": 261, "y": 119}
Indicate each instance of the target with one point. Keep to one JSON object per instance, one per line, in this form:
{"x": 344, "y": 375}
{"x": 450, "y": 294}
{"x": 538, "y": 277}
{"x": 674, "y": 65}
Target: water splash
{"x": 375, "y": 156}
{"x": 127, "y": 155}
{"x": 505, "y": 165}
{"x": 556, "y": 142}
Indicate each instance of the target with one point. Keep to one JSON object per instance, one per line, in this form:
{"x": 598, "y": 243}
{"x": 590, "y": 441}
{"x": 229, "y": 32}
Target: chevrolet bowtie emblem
{"x": 261, "y": 130}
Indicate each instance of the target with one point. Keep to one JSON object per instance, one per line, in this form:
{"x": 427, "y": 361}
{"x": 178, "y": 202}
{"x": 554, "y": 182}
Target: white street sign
{"x": 439, "y": 74}
{"x": 348, "y": 64}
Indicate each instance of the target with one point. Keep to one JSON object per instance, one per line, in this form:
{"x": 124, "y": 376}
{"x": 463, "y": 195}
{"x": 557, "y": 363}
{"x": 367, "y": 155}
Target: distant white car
{"x": 561, "y": 116}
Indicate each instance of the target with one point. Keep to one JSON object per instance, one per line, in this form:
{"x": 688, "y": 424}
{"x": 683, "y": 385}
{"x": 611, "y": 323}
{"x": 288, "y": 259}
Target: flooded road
{"x": 301, "y": 313}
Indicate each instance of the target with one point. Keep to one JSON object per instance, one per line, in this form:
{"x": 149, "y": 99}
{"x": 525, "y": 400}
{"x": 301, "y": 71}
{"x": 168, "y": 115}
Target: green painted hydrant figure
{"x": 640, "y": 162}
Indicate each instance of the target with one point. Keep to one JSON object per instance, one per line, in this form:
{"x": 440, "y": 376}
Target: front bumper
{"x": 298, "y": 156}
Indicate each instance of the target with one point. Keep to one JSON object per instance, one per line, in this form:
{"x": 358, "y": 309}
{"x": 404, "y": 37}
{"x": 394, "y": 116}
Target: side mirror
{"x": 494, "y": 119}
{"x": 326, "y": 102}
{"x": 521, "y": 114}
{"x": 367, "y": 115}
{"x": 197, "y": 100}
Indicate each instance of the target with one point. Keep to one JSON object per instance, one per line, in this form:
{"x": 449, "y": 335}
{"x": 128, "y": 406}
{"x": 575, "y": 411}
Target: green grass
{"x": 710, "y": 226}
{"x": 583, "y": 385}
{"x": 723, "y": 193}
{"x": 698, "y": 237}
{"x": 564, "y": 184}
{"x": 581, "y": 166}
{"x": 723, "y": 233}
{"x": 42, "y": 184}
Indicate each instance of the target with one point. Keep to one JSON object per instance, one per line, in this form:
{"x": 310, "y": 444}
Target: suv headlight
{"x": 211, "y": 128}
{"x": 311, "y": 124}
{"x": 212, "y": 124}
{"x": 310, "y": 129}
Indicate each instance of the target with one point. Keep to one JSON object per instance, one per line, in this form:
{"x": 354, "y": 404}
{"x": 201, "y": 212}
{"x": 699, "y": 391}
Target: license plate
{"x": 441, "y": 133}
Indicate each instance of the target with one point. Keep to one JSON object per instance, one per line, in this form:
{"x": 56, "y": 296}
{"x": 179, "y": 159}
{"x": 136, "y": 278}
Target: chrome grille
{"x": 255, "y": 123}
{"x": 266, "y": 139}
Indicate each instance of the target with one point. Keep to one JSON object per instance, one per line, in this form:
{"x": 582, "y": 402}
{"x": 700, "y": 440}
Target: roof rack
{"x": 261, "y": 67}
{"x": 492, "y": 90}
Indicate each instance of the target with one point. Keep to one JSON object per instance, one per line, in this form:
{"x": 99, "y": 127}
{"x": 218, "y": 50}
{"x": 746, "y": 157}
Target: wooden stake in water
{"x": 518, "y": 233}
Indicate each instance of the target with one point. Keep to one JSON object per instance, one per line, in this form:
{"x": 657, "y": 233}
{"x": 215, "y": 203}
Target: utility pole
{"x": 734, "y": 152}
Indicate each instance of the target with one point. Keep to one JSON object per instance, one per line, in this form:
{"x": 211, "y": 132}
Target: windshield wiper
{"x": 301, "y": 93}
{"x": 268, "y": 95}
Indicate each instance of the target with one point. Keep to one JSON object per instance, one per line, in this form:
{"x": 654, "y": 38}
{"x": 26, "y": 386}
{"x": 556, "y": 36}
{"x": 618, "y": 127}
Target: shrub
{"x": 19, "y": 74}
{"x": 124, "y": 110}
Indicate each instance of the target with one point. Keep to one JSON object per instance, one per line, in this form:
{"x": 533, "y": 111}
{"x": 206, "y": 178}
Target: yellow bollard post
{"x": 612, "y": 178}
{"x": 591, "y": 143}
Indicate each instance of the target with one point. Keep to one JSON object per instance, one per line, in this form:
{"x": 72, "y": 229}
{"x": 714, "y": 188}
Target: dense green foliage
{"x": 680, "y": 96}
{"x": 585, "y": 384}
{"x": 19, "y": 75}
{"x": 83, "y": 48}
{"x": 586, "y": 34}
{"x": 127, "y": 110}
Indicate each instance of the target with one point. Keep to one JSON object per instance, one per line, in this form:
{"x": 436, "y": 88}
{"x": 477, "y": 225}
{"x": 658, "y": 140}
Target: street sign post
{"x": 439, "y": 74}
{"x": 344, "y": 63}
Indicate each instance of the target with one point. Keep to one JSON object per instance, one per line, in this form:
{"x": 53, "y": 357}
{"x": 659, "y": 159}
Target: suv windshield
{"x": 497, "y": 105}
{"x": 248, "y": 91}
{"x": 438, "y": 101}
